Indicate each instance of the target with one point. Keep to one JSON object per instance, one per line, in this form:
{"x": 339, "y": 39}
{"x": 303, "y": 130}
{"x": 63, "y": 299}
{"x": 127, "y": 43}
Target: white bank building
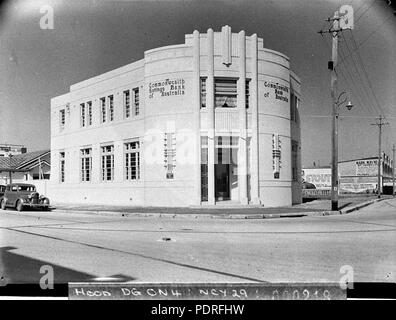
{"x": 212, "y": 121}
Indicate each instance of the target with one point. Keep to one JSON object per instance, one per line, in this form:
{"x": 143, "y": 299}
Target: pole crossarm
{"x": 330, "y": 31}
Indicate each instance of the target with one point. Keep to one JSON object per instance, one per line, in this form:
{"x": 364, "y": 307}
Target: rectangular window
{"x": 107, "y": 153}
{"x": 136, "y": 106}
{"x": 247, "y": 92}
{"x": 89, "y": 112}
{"x": 103, "y": 111}
{"x": 132, "y": 160}
{"x": 204, "y": 168}
{"x": 127, "y": 103}
{"x": 292, "y": 107}
{"x": 225, "y": 93}
{"x": 37, "y": 176}
{"x": 86, "y": 164}
{"x": 203, "y": 92}
{"x": 82, "y": 115}
{"x": 111, "y": 107}
{"x": 62, "y": 118}
{"x": 294, "y": 148}
{"x": 62, "y": 166}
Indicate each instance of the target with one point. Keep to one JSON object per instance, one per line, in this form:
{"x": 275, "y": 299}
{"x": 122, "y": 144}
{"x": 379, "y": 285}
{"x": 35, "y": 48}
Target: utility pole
{"x": 334, "y": 127}
{"x": 338, "y": 24}
{"x": 393, "y": 170}
{"x": 380, "y": 123}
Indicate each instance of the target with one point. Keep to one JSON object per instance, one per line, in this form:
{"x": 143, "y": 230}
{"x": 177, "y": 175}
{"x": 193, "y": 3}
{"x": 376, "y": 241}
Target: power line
{"x": 368, "y": 8}
{"x": 360, "y": 78}
{"x": 360, "y": 8}
{"x": 354, "y": 86}
{"x": 357, "y": 87}
{"x": 346, "y": 81}
{"x": 365, "y": 40}
{"x": 367, "y": 77}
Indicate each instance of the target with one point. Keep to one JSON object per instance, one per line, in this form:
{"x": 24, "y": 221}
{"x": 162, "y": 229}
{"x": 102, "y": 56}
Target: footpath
{"x": 347, "y": 204}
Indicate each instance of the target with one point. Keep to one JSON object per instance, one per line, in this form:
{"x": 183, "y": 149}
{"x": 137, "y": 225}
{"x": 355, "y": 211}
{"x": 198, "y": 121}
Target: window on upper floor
{"x": 247, "y": 92}
{"x": 89, "y": 113}
{"x": 110, "y": 100}
{"x": 82, "y": 115}
{"x": 136, "y": 102}
{"x": 225, "y": 93}
{"x": 62, "y": 118}
{"x": 103, "y": 111}
{"x": 203, "y": 92}
{"x": 127, "y": 103}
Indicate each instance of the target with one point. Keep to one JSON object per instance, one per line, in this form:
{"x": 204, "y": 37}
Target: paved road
{"x": 83, "y": 247}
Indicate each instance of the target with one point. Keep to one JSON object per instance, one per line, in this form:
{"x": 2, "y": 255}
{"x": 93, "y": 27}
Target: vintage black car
{"x": 2, "y": 189}
{"x": 23, "y": 195}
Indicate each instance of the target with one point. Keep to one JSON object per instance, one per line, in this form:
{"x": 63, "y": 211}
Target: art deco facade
{"x": 214, "y": 120}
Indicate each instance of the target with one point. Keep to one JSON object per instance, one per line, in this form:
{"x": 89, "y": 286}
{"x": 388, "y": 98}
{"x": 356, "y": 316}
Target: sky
{"x": 91, "y": 37}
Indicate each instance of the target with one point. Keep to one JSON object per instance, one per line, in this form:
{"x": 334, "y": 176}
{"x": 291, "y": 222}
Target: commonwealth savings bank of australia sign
{"x": 167, "y": 88}
{"x": 280, "y": 92}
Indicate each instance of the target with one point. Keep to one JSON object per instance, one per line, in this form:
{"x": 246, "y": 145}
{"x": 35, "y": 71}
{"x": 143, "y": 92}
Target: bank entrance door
{"x": 222, "y": 181}
{"x": 226, "y": 179}
{"x": 225, "y": 168}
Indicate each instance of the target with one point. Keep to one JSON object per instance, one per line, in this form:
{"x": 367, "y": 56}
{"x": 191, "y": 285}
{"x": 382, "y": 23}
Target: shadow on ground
{"x": 20, "y": 269}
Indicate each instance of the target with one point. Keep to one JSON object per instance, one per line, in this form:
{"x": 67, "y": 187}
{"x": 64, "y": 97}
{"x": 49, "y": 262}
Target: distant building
{"x": 13, "y": 149}
{"x": 32, "y": 166}
{"x": 355, "y": 175}
{"x": 211, "y": 120}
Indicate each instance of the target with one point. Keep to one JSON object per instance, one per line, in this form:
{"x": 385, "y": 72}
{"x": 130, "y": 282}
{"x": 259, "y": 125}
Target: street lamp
{"x": 334, "y": 158}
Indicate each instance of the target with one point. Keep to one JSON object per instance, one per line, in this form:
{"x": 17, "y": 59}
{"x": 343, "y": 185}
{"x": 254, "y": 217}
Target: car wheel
{"x": 19, "y": 205}
{"x": 3, "y": 205}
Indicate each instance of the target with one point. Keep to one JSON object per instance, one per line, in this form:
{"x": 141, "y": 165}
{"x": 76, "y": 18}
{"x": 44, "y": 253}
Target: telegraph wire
{"x": 367, "y": 77}
{"x": 367, "y": 38}
{"x": 368, "y": 8}
{"x": 359, "y": 94}
{"x": 381, "y": 111}
{"x": 363, "y": 84}
{"x": 362, "y": 3}
{"x": 356, "y": 87}
{"x": 372, "y": 106}
{"x": 365, "y": 93}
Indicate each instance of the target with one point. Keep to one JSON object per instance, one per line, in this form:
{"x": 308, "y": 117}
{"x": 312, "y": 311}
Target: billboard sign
{"x": 320, "y": 177}
{"x": 367, "y": 167}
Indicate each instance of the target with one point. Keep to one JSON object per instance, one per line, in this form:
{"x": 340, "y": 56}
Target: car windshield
{"x": 27, "y": 188}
